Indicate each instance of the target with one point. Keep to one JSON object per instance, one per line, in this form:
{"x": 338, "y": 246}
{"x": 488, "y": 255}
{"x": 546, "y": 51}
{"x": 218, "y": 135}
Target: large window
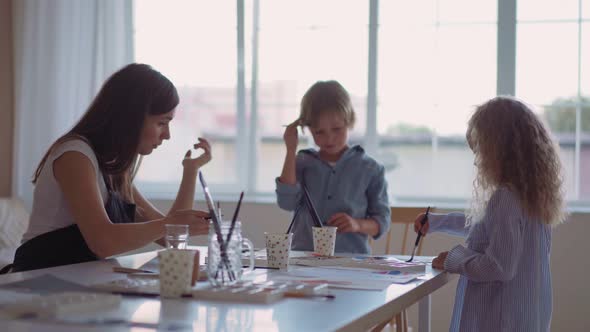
{"x": 415, "y": 71}
{"x": 194, "y": 44}
{"x": 302, "y": 42}
{"x": 553, "y": 73}
{"x": 437, "y": 59}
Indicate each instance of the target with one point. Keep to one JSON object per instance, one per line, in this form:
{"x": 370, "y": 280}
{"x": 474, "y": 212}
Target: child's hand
{"x": 418, "y": 225}
{"x": 291, "y": 137}
{"x": 201, "y": 160}
{"x": 345, "y": 223}
{"x": 439, "y": 262}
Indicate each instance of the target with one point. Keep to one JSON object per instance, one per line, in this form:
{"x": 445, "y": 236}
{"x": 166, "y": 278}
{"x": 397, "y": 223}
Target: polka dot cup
{"x": 324, "y": 240}
{"x": 278, "y": 247}
{"x": 177, "y": 269}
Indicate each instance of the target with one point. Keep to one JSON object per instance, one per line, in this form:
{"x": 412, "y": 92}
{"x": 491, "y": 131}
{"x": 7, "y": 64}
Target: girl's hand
{"x": 439, "y": 262}
{"x": 418, "y": 225}
{"x": 345, "y": 223}
{"x": 197, "y": 221}
{"x": 291, "y": 137}
{"x": 205, "y": 157}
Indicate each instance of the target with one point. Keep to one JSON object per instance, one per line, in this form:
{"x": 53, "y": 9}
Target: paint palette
{"x": 262, "y": 293}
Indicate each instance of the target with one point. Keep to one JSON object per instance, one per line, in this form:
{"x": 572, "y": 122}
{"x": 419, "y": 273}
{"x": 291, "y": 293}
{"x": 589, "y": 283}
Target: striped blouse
{"x": 505, "y": 282}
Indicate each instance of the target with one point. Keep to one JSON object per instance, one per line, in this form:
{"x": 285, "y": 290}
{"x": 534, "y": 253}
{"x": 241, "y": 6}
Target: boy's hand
{"x": 205, "y": 157}
{"x": 345, "y": 223}
{"x": 291, "y": 137}
{"x": 439, "y": 262}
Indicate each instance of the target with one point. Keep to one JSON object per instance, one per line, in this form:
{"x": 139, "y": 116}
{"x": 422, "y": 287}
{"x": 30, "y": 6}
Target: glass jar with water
{"x": 224, "y": 263}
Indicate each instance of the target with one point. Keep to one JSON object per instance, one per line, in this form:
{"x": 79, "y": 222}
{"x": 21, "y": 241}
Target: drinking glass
{"x": 176, "y": 236}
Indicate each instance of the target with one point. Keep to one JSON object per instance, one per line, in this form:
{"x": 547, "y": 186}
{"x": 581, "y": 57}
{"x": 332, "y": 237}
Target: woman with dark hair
{"x": 85, "y": 206}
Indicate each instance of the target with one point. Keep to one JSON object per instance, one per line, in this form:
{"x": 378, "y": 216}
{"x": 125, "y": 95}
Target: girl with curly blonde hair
{"x": 505, "y": 282}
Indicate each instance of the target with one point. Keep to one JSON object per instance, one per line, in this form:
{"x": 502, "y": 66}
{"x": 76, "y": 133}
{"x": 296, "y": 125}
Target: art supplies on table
{"x": 139, "y": 284}
{"x": 392, "y": 277}
{"x": 60, "y": 304}
{"x": 422, "y": 223}
{"x": 241, "y": 292}
{"x": 317, "y": 221}
{"x": 128, "y": 270}
{"x": 333, "y": 278}
{"x": 262, "y": 293}
{"x": 46, "y": 284}
{"x": 142, "y": 286}
{"x": 384, "y": 263}
{"x": 260, "y": 258}
{"x": 224, "y": 267}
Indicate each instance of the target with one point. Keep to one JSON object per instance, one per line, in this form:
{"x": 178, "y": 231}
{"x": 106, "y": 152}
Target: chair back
{"x": 404, "y": 216}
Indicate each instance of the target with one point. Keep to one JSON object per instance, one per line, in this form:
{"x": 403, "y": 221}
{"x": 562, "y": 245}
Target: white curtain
{"x": 63, "y": 52}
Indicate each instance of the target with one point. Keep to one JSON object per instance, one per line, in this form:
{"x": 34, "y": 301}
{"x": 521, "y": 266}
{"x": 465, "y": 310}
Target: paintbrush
{"x": 422, "y": 222}
{"x": 314, "y": 213}
{"x": 216, "y": 222}
{"x": 233, "y": 219}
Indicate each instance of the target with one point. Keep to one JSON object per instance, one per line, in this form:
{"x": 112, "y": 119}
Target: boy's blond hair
{"x": 514, "y": 149}
{"x": 323, "y": 97}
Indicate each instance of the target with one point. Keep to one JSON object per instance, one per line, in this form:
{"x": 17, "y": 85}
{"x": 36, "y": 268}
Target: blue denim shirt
{"x": 354, "y": 185}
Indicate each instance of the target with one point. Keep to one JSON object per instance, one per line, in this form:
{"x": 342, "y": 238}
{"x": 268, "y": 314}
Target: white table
{"x": 351, "y": 310}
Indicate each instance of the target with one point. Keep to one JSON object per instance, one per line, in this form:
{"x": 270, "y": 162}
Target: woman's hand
{"x": 291, "y": 137}
{"x": 204, "y": 158}
{"x": 418, "y": 224}
{"x": 197, "y": 221}
{"x": 345, "y": 223}
{"x": 439, "y": 262}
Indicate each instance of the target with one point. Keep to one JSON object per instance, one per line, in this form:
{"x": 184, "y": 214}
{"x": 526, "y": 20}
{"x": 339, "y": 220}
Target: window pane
{"x": 546, "y": 10}
{"x": 194, "y": 44}
{"x": 560, "y": 116}
{"x": 585, "y": 106}
{"x": 585, "y": 57}
{"x": 430, "y": 78}
{"x": 585, "y": 150}
{"x": 421, "y": 173}
{"x": 546, "y": 68}
{"x": 547, "y": 76}
{"x": 467, "y": 11}
{"x": 302, "y": 42}
{"x": 567, "y": 155}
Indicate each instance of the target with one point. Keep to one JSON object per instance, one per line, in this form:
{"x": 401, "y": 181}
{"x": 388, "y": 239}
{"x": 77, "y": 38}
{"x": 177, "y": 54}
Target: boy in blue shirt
{"x": 347, "y": 187}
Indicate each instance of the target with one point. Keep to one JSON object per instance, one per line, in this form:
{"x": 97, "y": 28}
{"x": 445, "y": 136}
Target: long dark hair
{"x": 112, "y": 124}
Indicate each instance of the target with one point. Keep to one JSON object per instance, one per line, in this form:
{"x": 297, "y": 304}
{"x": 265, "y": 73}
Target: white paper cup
{"x": 278, "y": 247}
{"x": 324, "y": 240}
{"x": 177, "y": 269}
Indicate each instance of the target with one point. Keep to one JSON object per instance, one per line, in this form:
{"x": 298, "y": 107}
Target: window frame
{"x": 248, "y": 140}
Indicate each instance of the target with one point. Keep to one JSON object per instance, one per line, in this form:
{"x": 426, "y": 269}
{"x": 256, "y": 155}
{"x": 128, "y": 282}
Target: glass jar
{"x": 224, "y": 262}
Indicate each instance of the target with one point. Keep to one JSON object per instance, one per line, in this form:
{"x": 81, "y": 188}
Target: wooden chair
{"x": 404, "y": 216}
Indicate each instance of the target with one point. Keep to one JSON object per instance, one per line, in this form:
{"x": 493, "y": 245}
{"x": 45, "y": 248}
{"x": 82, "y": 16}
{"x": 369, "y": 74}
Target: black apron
{"x": 66, "y": 245}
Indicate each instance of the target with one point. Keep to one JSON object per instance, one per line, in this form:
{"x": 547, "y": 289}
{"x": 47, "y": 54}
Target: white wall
{"x": 570, "y": 265}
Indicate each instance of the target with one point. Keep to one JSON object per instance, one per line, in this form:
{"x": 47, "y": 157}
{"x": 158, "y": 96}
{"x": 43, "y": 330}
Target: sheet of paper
{"x": 44, "y": 284}
{"x": 333, "y": 277}
{"x": 394, "y": 277}
{"x": 10, "y": 296}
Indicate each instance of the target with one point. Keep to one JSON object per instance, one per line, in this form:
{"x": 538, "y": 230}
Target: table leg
{"x": 424, "y": 314}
